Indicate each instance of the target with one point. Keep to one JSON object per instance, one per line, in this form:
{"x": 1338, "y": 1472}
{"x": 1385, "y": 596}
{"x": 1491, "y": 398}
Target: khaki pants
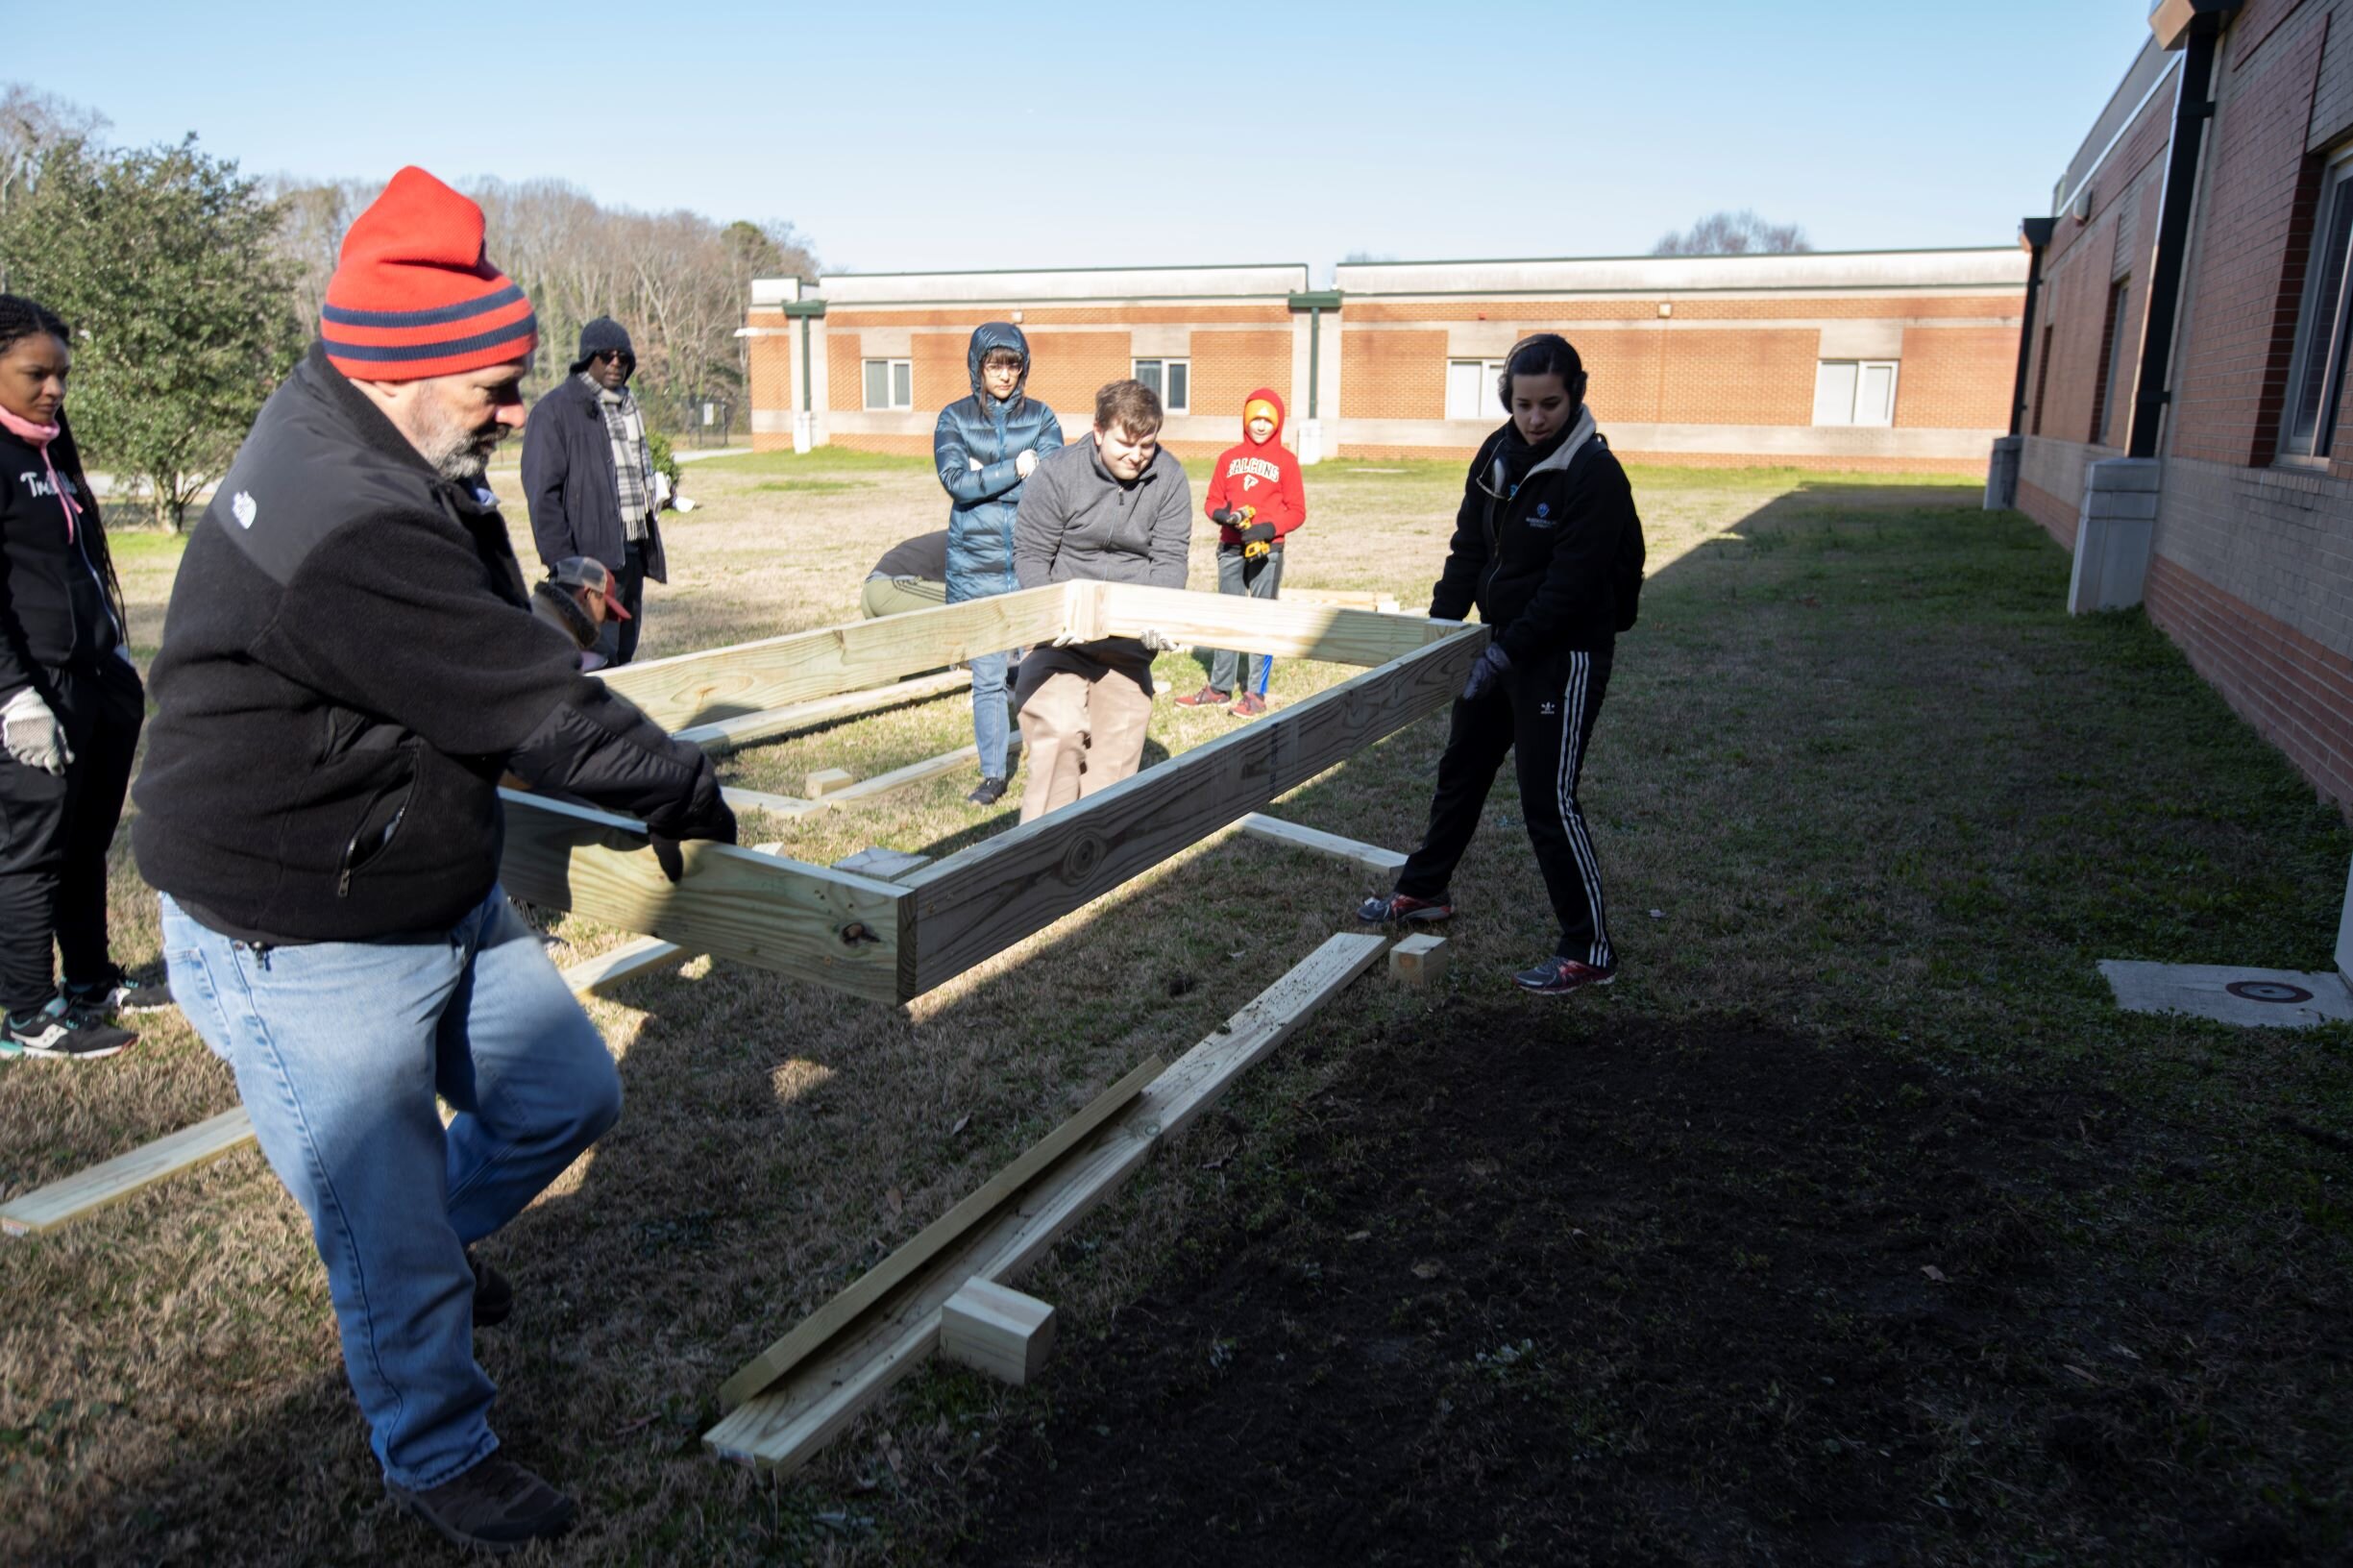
{"x": 1083, "y": 721}
{"x": 896, "y": 596}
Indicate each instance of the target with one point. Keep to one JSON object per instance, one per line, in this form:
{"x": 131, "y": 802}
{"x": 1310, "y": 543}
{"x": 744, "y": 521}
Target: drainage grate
{"x": 2267, "y": 991}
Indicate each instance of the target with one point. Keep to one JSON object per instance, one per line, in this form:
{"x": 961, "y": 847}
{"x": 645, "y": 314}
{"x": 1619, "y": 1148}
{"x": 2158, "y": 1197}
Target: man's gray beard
{"x": 454, "y": 452}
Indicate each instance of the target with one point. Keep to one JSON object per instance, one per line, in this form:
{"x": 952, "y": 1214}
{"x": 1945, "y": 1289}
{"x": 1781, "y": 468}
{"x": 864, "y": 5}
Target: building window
{"x": 1854, "y": 392}
{"x": 2315, "y": 375}
{"x": 1470, "y": 388}
{"x": 1172, "y": 379}
{"x": 2114, "y": 365}
{"x": 889, "y": 383}
{"x": 2041, "y": 378}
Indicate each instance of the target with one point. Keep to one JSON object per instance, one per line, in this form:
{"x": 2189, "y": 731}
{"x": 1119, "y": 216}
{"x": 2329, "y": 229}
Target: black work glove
{"x": 702, "y": 812}
{"x": 1223, "y": 516}
{"x": 1257, "y": 534}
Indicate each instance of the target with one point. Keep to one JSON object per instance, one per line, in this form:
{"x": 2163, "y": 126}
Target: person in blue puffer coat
{"x": 984, "y": 447}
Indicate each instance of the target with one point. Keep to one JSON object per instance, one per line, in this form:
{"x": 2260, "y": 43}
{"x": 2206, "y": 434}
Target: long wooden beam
{"x": 782, "y": 1428}
{"x": 810, "y": 922}
{"x": 812, "y": 1332}
{"x": 697, "y": 689}
{"x": 980, "y": 901}
{"x": 750, "y": 728}
{"x": 1283, "y": 629}
{"x": 1372, "y": 857}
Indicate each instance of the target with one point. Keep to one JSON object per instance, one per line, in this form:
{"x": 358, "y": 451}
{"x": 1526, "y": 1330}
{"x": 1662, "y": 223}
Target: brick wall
{"x": 845, "y": 379}
{"x": 1393, "y": 374}
{"x": 1736, "y": 378}
{"x": 1227, "y": 366}
{"x": 1956, "y": 377}
{"x": 1067, "y": 368}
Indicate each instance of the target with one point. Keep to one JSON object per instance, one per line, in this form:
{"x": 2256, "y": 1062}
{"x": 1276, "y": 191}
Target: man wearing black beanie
{"x": 588, "y": 479}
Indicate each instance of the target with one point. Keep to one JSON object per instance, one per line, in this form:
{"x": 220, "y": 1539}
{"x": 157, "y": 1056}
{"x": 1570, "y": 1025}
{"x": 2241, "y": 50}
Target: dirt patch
{"x": 1537, "y": 1288}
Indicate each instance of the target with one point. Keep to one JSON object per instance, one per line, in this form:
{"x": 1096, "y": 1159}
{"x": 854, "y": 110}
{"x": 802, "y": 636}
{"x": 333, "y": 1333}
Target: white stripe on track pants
{"x": 1544, "y": 713}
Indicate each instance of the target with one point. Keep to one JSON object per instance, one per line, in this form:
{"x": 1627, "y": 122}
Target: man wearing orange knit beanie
{"x": 350, "y": 663}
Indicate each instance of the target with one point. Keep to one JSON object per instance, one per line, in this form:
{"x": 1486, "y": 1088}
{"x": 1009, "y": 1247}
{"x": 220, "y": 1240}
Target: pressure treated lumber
{"x": 112, "y": 1181}
{"x": 697, "y": 689}
{"x": 830, "y": 1319}
{"x": 994, "y": 1329}
{"x": 750, "y": 728}
{"x": 1370, "y": 856}
{"x": 1419, "y": 960}
{"x": 825, "y": 780}
{"x": 981, "y": 900}
{"x": 775, "y": 805}
{"x": 914, "y": 772}
{"x": 834, "y": 927}
{"x": 1286, "y": 630}
{"x": 783, "y": 1427}
{"x": 1346, "y": 599}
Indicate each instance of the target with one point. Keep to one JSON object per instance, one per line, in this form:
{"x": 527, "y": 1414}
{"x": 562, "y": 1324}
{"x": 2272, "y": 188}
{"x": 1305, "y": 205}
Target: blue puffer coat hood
{"x": 977, "y": 448}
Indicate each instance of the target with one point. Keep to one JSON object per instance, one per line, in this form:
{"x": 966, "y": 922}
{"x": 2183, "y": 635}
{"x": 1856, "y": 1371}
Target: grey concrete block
{"x": 2274, "y": 998}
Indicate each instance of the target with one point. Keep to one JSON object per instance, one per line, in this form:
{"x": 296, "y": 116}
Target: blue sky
{"x": 904, "y": 137}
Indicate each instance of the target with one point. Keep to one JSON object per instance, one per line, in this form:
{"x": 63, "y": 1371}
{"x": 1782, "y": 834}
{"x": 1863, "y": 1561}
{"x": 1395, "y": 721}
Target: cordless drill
{"x": 1258, "y": 538}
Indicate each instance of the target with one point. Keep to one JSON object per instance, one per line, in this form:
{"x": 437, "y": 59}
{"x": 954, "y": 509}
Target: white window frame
{"x": 2322, "y": 326}
{"x": 898, "y": 378}
{"x": 1159, "y": 381}
{"x": 1862, "y": 369}
{"x": 1459, "y": 371}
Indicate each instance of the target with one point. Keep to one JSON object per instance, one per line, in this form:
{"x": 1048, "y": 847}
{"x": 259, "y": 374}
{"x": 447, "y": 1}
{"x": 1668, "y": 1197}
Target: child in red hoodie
{"x": 1257, "y": 500}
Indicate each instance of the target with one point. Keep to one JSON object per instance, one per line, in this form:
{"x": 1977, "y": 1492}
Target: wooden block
{"x": 997, "y": 1329}
{"x": 813, "y": 1331}
{"x": 783, "y": 1427}
{"x": 775, "y": 805}
{"x": 1370, "y": 856}
{"x": 1419, "y": 960}
{"x": 882, "y": 865}
{"x": 114, "y": 1180}
{"x": 825, "y": 780}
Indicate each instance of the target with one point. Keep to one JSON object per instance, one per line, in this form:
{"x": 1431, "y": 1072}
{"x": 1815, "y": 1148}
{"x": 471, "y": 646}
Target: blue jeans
{"x": 991, "y": 723}
{"x": 339, "y": 1048}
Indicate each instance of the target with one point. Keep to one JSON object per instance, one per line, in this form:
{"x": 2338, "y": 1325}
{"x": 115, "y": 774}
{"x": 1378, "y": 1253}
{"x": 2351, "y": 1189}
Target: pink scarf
{"x": 38, "y": 437}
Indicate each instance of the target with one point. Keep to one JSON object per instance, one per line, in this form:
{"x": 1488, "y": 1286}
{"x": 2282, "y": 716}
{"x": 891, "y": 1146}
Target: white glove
{"x": 1157, "y": 642}
{"x": 1026, "y": 464}
{"x": 33, "y": 734}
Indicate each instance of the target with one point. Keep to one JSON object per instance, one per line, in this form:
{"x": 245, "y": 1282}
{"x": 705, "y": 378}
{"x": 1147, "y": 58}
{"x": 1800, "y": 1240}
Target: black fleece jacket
{"x": 54, "y": 608}
{"x": 349, "y": 665}
{"x": 1543, "y": 556}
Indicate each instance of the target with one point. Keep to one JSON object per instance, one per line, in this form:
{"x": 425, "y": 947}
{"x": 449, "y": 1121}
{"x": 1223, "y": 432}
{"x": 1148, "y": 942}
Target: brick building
{"x": 2179, "y": 424}
{"x": 1873, "y": 360}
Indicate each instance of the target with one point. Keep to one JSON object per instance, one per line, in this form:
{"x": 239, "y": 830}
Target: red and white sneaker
{"x": 1404, "y": 909}
{"x": 1208, "y": 696}
{"x": 1559, "y": 976}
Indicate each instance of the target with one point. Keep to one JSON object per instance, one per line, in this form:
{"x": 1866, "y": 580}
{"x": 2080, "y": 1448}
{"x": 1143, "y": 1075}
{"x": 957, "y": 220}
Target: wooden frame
{"x": 893, "y": 941}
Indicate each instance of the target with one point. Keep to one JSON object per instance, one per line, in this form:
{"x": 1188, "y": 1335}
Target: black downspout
{"x": 2036, "y": 233}
{"x": 2193, "y": 108}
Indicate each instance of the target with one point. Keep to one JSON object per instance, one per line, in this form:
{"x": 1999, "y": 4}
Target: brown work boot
{"x": 1208, "y": 696}
{"x": 496, "y": 1506}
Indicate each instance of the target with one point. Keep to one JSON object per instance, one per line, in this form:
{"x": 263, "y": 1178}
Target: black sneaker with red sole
{"x": 1404, "y": 909}
{"x": 1559, "y": 976}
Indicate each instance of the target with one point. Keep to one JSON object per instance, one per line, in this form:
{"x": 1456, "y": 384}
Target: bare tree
{"x": 1734, "y": 234}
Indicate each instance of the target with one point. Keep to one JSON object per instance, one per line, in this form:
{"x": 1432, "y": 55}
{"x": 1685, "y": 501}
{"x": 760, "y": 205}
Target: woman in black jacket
{"x": 70, "y": 709}
{"x": 1548, "y": 546}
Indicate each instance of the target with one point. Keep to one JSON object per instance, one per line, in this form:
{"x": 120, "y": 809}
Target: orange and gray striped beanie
{"x": 414, "y": 295}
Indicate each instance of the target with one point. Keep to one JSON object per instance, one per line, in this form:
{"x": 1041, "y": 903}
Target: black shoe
{"x": 497, "y": 1506}
{"x": 989, "y": 793}
{"x": 1404, "y": 909}
{"x": 493, "y": 1297}
{"x": 66, "y": 1034}
{"x": 1559, "y": 976}
{"x": 116, "y": 994}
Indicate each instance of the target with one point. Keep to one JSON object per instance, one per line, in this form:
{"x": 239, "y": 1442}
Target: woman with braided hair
{"x": 70, "y": 710}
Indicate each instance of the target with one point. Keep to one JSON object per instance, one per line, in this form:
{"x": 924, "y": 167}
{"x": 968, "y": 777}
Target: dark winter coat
{"x": 55, "y": 609}
{"x": 569, "y": 486}
{"x": 1546, "y": 559}
{"x": 983, "y": 501}
{"x": 350, "y": 663}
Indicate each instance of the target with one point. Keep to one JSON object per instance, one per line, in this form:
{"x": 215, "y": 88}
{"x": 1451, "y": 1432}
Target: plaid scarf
{"x": 632, "y": 461}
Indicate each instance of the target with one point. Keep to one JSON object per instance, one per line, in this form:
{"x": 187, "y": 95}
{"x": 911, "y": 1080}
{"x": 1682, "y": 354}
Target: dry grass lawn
{"x": 1798, "y": 816}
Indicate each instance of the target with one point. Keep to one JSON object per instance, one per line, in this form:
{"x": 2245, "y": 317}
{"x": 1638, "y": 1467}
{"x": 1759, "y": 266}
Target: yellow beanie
{"x": 1260, "y": 408}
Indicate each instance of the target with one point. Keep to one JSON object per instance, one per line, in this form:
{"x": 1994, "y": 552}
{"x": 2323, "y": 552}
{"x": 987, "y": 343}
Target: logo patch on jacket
{"x": 244, "y": 509}
{"x": 1544, "y": 518}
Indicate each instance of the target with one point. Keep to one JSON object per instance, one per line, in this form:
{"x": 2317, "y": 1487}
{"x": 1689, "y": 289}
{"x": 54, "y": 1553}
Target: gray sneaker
{"x": 497, "y": 1506}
